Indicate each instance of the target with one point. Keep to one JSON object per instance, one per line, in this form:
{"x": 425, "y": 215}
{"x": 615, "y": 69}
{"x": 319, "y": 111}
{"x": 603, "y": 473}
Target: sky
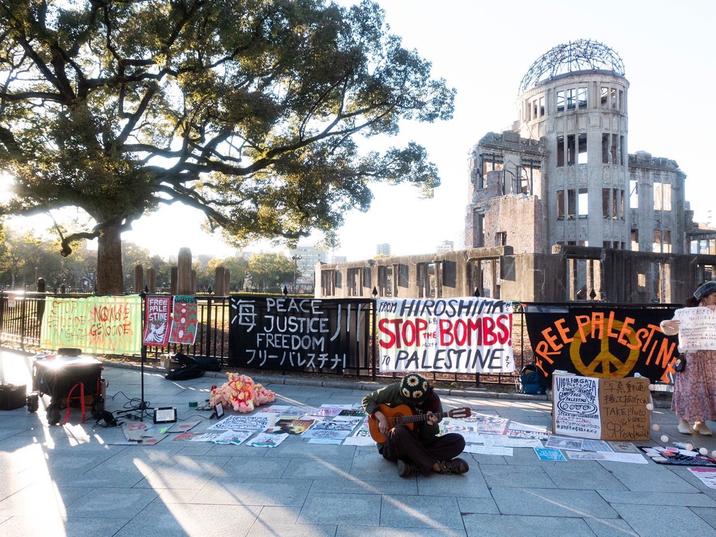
{"x": 483, "y": 49}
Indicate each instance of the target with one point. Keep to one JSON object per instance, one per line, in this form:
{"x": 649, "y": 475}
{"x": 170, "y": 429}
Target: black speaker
{"x": 12, "y": 396}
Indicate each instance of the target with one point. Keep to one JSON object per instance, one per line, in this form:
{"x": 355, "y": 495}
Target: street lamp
{"x": 295, "y": 259}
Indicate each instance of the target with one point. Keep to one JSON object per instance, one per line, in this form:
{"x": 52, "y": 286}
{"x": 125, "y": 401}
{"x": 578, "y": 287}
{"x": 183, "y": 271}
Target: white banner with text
{"x": 450, "y": 335}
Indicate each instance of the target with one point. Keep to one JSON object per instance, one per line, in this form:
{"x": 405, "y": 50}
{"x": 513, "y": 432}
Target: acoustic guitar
{"x": 404, "y": 415}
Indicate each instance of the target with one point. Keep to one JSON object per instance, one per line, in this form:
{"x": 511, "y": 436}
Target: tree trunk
{"x": 110, "y": 280}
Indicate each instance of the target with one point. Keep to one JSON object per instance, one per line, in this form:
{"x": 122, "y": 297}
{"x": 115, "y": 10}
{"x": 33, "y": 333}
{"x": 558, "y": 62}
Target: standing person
{"x": 694, "y": 399}
{"x": 420, "y": 450}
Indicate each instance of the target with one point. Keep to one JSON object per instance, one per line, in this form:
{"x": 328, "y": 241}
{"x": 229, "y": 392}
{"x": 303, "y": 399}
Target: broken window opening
{"x": 560, "y": 151}
{"x": 605, "y": 148}
{"x": 613, "y": 149}
{"x": 570, "y": 149}
{"x": 571, "y": 99}
{"x": 582, "y": 149}
{"x": 571, "y": 203}
{"x": 613, "y": 97}
{"x": 560, "y": 205}
{"x": 662, "y": 196}
{"x": 633, "y": 194}
{"x": 582, "y": 98}
{"x": 583, "y": 203}
{"x": 605, "y": 202}
{"x": 560, "y": 101}
{"x": 604, "y": 97}
{"x": 635, "y": 240}
{"x": 541, "y": 106}
{"x": 501, "y": 238}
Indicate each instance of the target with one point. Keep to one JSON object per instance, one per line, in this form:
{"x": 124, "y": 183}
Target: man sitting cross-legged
{"x": 420, "y": 450}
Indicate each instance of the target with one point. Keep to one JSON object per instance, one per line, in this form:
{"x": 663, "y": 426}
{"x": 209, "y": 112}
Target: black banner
{"x": 297, "y": 334}
{"x": 604, "y": 342}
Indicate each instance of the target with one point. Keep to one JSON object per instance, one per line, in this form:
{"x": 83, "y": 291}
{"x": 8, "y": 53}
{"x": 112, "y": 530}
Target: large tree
{"x": 245, "y": 109}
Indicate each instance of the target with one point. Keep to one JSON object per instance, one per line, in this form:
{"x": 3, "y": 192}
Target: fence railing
{"x": 21, "y": 318}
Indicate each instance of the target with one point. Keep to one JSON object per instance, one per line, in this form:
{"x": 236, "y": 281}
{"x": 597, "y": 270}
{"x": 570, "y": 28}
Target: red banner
{"x": 157, "y": 320}
{"x": 184, "y": 320}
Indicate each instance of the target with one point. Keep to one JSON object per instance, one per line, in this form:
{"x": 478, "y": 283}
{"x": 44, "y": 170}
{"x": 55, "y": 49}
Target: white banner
{"x": 451, "y": 335}
{"x": 697, "y": 329}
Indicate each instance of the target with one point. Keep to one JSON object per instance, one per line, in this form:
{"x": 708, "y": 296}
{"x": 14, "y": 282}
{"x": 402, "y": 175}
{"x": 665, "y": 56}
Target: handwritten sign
{"x": 457, "y": 335}
{"x": 157, "y": 320}
{"x": 623, "y": 408}
{"x": 604, "y": 409}
{"x": 576, "y": 401}
{"x": 97, "y": 325}
{"x": 697, "y": 329}
{"x": 287, "y": 333}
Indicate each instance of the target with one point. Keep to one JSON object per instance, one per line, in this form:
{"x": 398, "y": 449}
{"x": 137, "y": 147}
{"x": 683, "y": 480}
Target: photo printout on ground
{"x": 697, "y": 329}
{"x": 456, "y": 335}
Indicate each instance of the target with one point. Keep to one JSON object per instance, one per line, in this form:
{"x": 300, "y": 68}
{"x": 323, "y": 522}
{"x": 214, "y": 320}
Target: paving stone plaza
{"x": 59, "y": 481}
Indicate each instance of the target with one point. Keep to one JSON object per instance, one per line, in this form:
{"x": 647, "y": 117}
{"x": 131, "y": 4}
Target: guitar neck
{"x": 417, "y": 417}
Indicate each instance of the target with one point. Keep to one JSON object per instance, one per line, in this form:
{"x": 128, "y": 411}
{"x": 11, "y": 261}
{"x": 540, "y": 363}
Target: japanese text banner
{"x": 452, "y": 335}
{"x": 285, "y": 333}
{"x": 97, "y": 325}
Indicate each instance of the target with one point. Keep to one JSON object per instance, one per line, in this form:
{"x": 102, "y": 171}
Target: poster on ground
{"x": 452, "y": 335}
{"x": 97, "y": 325}
{"x": 157, "y": 320}
{"x": 602, "y": 342}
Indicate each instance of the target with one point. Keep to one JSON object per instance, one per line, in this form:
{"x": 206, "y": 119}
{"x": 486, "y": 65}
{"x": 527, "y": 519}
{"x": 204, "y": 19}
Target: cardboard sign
{"x": 604, "y": 409}
{"x": 697, "y": 329}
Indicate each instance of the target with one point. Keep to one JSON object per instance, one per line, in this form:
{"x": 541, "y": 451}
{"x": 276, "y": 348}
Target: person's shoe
{"x": 455, "y": 466}
{"x": 406, "y": 469}
{"x": 684, "y": 428}
{"x": 701, "y": 428}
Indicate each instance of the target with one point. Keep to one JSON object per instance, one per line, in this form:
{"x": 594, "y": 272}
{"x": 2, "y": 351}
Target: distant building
{"x": 382, "y": 249}
{"x": 445, "y": 247}
{"x": 557, "y": 207}
{"x": 306, "y": 258}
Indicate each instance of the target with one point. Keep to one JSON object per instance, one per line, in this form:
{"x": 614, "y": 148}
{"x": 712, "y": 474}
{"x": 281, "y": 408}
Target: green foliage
{"x": 269, "y": 272}
{"x": 245, "y": 109}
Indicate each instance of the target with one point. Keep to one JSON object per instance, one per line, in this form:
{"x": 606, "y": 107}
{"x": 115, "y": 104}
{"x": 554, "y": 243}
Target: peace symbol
{"x": 604, "y": 364}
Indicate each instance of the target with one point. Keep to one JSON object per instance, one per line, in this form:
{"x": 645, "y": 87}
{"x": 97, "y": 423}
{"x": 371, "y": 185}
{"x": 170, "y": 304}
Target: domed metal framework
{"x": 580, "y": 55}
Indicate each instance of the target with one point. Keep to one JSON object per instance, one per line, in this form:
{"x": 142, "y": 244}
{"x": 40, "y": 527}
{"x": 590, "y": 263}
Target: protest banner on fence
{"x": 602, "y": 342}
{"x": 452, "y": 335}
{"x": 287, "y": 333}
{"x": 102, "y": 324}
{"x": 185, "y": 320}
{"x": 601, "y": 408}
{"x": 157, "y": 320}
{"x": 697, "y": 329}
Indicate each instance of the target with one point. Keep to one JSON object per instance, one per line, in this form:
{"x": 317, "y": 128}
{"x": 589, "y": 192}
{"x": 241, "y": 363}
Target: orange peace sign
{"x": 604, "y": 364}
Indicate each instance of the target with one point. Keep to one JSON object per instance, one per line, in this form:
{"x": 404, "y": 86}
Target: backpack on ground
{"x": 531, "y": 381}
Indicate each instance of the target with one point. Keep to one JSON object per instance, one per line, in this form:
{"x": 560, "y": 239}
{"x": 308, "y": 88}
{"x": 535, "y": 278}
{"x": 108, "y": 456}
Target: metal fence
{"x": 21, "y": 317}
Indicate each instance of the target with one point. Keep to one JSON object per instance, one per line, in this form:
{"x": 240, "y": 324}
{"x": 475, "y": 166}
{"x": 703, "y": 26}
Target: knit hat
{"x": 414, "y": 388}
{"x": 704, "y": 290}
